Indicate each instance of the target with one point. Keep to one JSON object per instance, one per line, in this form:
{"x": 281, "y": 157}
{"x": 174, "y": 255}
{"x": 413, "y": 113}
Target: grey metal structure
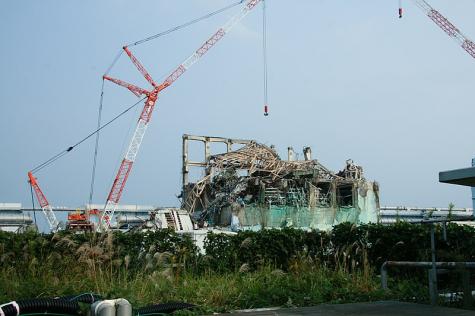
{"x": 393, "y": 214}
{"x": 13, "y": 219}
{"x": 207, "y": 141}
{"x": 433, "y": 265}
{"x": 465, "y": 176}
{"x": 464, "y": 267}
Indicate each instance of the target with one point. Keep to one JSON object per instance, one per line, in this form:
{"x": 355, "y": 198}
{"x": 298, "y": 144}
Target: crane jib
{"x": 152, "y": 95}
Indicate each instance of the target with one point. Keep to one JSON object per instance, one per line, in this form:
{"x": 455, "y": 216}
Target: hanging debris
{"x": 252, "y": 188}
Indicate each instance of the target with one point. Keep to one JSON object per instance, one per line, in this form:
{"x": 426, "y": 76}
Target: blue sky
{"x": 346, "y": 77}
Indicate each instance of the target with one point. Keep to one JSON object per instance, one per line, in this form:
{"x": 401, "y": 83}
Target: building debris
{"x": 160, "y": 218}
{"x": 252, "y": 188}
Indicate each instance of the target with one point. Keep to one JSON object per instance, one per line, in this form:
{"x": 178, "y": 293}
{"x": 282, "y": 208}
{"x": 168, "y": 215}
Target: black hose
{"x": 9, "y": 310}
{"x": 166, "y": 308}
{"x": 87, "y": 298}
{"x": 41, "y": 305}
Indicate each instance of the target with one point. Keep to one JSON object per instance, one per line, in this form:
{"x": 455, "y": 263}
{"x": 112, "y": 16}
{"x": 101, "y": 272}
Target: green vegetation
{"x": 249, "y": 270}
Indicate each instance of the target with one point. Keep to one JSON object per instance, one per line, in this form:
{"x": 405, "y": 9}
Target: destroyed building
{"x": 251, "y": 187}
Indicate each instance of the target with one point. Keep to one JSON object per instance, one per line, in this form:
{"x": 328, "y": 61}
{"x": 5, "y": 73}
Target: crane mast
{"x": 44, "y": 204}
{"x": 445, "y": 25}
{"x": 151, "y": 98}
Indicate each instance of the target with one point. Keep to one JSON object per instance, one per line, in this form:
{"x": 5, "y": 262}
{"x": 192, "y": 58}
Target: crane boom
{"x": 152, "y": 96}
{"x": 447, "y": 26}
{"x": 44, "y": 204}
{"x": 133, "y": 88}
{"x": 140, "y": 67}
{"x": 190, "y": 61}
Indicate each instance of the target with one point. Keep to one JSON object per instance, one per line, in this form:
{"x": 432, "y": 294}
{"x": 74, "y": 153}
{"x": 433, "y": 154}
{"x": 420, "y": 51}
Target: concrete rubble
{"x": 251, "y": 187}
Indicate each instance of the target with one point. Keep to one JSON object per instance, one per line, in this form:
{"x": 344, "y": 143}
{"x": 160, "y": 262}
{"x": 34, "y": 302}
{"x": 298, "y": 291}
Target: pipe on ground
{"x": 40, "y": 305}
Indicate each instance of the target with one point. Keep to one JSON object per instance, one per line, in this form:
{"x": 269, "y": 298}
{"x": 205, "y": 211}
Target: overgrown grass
{"x": 303, "y": 286}
{"x": 250, "y": 270}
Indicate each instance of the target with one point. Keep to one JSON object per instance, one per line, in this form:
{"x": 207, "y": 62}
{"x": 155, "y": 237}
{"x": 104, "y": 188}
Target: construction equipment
{"x": 445, "y": 25}
{"x": 80, "y": 220}
{"x": 151, "y": 97}
{"x": 44, "y": 204}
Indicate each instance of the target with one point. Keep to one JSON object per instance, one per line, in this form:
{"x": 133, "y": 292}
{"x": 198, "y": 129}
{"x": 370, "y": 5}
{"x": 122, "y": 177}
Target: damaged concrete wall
{"x": 253, "y": 216}
{"x": 252, "y": 188}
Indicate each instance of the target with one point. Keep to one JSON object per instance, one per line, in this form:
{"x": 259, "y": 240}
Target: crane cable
{"x": 64, "y": 152}
{"x": 99, "y": 120}
{"x": 116, "y": 59}
{"x": 176, "y": 28}
{"x": 264, "y": 55}
{"x": 96, "y": 147}
{"x": 70, "y": 148}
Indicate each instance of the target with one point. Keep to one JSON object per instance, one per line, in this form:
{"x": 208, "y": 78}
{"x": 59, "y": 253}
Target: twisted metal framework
{"x": 260, "y": 161}
{"x": 259, "y": 158}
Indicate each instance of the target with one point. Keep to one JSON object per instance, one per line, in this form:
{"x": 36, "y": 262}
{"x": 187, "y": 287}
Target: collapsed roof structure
{"x": 252, "y": 187}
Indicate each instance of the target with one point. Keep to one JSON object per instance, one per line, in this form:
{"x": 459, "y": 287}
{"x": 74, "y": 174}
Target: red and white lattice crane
{"x": 445, "y": 25}
{"x": 151, "y": 96}
{"x": 44, "y": 204}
